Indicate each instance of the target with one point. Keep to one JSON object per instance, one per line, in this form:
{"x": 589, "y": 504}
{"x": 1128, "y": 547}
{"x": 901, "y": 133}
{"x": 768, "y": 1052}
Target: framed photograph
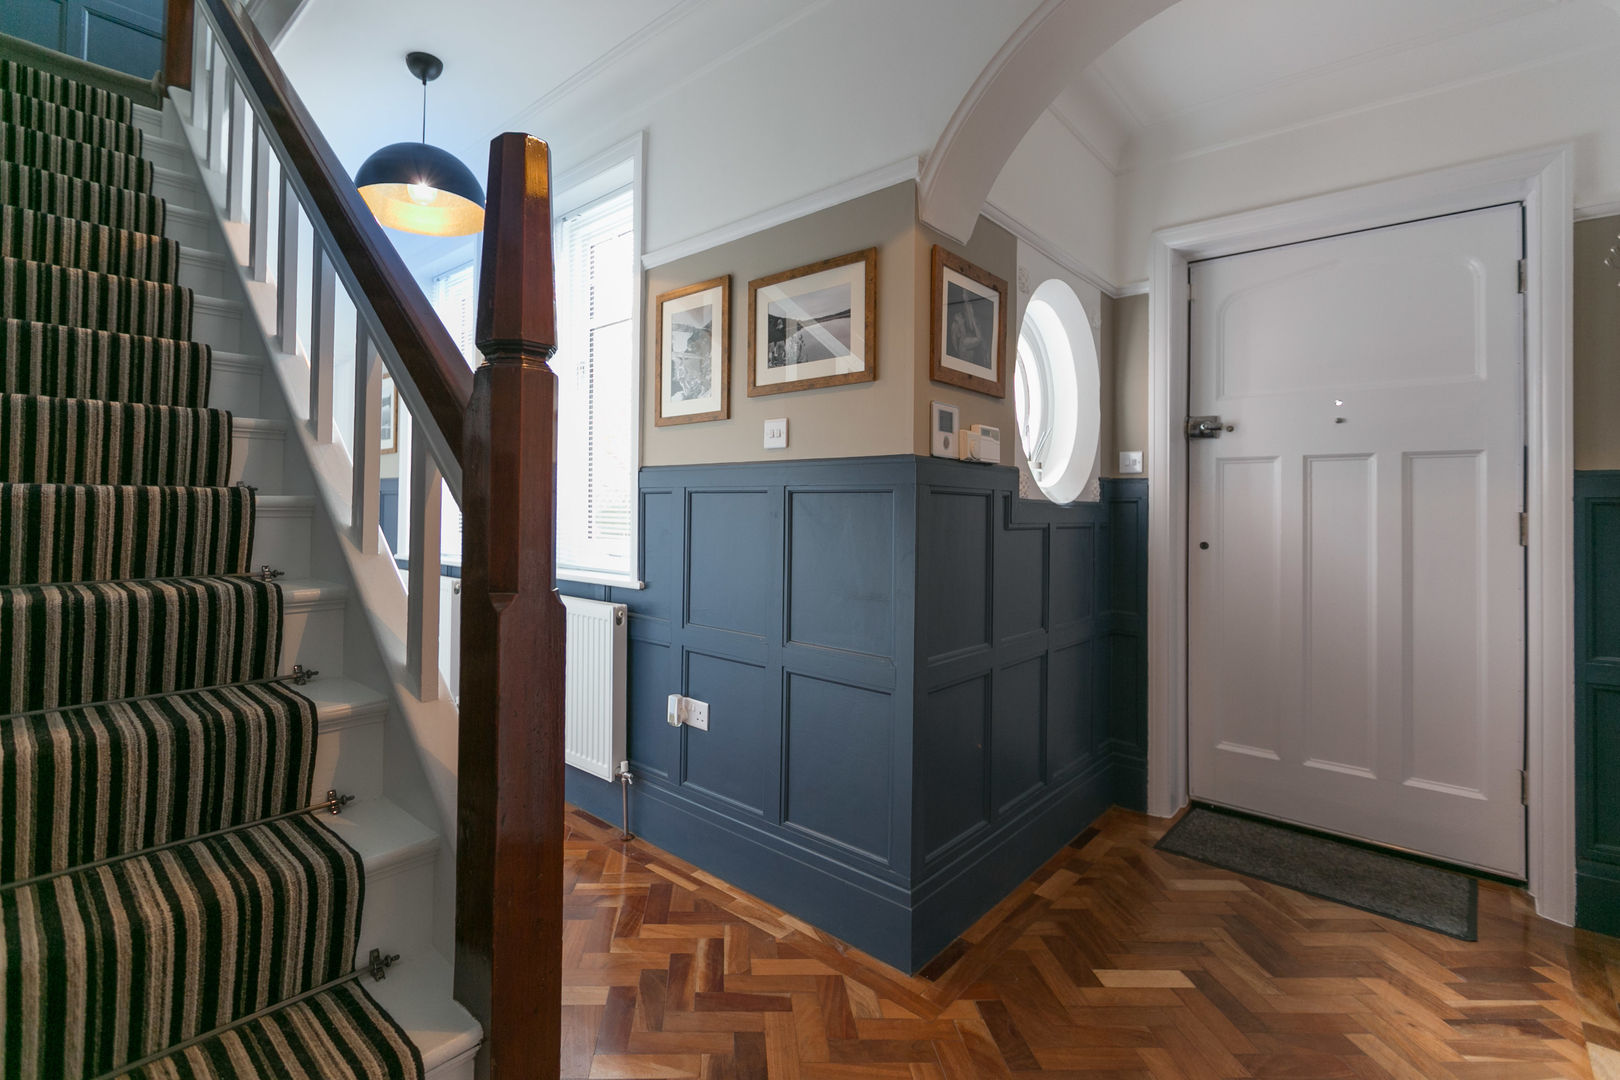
{"x": 814, "y": 326}
{"x": 694, "y": 353}
{"x": 969, "y": 317}
{"x": 388, "y": 427}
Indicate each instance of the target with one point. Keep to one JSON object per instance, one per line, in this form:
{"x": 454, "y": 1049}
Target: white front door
{"x": 1356, "y": 648}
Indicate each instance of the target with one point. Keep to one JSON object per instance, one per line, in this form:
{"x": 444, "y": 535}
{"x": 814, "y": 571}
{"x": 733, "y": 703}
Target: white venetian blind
{"x": 454, "y": 298}
{"x": 597, "y": 408}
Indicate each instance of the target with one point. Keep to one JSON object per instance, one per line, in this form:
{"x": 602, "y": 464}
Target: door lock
{"x": 1205, "y": 427}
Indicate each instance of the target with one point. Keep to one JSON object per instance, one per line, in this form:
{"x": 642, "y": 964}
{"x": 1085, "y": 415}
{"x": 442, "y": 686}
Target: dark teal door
{"x": 125, "y": 35}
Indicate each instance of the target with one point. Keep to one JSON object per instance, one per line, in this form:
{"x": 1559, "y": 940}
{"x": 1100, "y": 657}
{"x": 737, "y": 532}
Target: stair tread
{"x": 338, "y": 700}
{"x": 304, "y": 590}
{"x": 417, "y": 994}
{"x": 381, "y": 833}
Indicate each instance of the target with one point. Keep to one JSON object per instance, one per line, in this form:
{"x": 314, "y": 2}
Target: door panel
{"x": 1356, "y": 621}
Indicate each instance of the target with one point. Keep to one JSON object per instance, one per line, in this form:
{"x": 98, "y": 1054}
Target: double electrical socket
{"x": 688, "y": 711}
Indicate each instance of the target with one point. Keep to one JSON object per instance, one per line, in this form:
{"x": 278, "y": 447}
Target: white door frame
{"x": 1541, "y": 179}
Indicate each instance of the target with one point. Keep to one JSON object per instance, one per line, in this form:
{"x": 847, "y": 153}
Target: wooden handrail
{"x": 509, "y": 852}
{"x": 436, "y": 381}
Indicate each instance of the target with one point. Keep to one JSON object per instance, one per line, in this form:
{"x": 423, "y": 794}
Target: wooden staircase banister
{"x": 509, "y": 832}
{"x": 435, "y": 380}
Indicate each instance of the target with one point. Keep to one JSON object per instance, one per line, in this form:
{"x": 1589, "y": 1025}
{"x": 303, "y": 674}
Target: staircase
{"x": 200, "y": 849}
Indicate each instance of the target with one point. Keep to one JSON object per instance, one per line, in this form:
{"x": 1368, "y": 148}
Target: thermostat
{"x": 981, "y": 442}
{"x": 945, "y": 423}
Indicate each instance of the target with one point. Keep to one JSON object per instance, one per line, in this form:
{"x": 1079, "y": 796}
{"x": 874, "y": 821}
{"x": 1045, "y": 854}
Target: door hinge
{"x": 1524, "y": 275}
{"x": 1524, "y": 787}
{"x": 1524, "y": 529}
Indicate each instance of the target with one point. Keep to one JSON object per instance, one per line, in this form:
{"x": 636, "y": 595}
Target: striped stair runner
{"x": 168, "y": 907}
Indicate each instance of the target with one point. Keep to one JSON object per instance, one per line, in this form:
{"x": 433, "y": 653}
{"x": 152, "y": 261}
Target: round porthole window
{"x": 1055, "y": 392}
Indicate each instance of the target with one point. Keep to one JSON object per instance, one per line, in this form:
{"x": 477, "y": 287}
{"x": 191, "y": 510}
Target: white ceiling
{"x": 1210, "y": 72}
{"x": 347, "y": 60}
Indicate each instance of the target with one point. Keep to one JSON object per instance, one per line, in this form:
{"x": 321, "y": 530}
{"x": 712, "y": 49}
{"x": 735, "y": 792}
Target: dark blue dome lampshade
{"x": 419, "y": 188}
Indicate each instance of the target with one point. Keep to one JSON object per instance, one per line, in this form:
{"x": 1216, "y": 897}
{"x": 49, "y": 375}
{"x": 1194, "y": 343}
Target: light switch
{"x": 776, "y": 434}
{"x": 1130, "y": 461}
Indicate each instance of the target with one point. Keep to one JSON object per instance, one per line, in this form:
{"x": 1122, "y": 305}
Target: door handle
{"x": 1205, "y": 427}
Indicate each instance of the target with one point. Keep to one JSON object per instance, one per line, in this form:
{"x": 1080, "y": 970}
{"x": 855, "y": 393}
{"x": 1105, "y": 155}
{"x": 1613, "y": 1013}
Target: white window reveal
{"x": 597, "y": 366}
{"x": 1056, "y": 392}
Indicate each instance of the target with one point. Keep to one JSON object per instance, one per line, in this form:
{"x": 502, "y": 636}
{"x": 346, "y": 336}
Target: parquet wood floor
{"x": 1113, "y": 961}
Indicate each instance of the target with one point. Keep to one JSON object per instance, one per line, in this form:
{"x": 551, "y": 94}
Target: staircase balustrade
{"x": 490, "y": 439}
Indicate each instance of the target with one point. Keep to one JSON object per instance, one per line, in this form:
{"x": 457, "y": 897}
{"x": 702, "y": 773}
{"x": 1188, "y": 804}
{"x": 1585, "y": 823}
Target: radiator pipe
{"x": 625, "y": 780}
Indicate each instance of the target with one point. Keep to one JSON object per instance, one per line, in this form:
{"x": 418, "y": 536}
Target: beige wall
{"x": 1130, "y": 400}
{"x": 1597, "y": 347}
{"x": 855, "y": 420}
{"x": 1597, "y": 356}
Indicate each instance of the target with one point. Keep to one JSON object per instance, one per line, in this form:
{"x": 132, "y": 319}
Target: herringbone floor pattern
{"x": 1114, "y": 960}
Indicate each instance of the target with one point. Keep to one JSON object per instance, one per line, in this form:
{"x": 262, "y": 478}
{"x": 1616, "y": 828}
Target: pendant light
{"x": 415, "y": 187}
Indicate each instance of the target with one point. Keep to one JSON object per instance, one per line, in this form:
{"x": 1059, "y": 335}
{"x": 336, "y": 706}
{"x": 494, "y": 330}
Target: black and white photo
{"x": 969, "y": 325}
{"x": 694, "y": 369}
{"x": 813, "y": 326}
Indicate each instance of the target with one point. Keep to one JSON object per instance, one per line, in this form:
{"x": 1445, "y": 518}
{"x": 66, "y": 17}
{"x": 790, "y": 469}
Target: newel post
{"x": 510, "y": 820}
{"x": 177, "y": 55}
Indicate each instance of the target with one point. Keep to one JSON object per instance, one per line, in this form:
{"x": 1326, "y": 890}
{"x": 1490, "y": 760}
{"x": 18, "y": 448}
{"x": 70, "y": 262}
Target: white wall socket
{"x": 688, "y": 711}
{"x": 1130, "y": 461}
{"x": 776, "y": 434}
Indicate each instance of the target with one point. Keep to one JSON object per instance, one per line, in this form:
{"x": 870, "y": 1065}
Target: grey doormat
{"x": 1347, "y": 873}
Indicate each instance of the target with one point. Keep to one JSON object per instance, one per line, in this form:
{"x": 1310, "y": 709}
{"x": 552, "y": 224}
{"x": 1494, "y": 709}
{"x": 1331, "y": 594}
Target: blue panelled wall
{"x": 920, "y": 686}
{"x": 1597, "y": 700}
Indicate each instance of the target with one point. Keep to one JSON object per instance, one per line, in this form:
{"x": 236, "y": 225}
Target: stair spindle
{"x": 322, "y": 323}
{"x": 366, "y": 497}
{"x": 221, "y": 71}
{"x": 236, "y": 154}
{"x": 259, "y": 208}
{"x": 422, "y": 577}
{"x": 287, "y": 271}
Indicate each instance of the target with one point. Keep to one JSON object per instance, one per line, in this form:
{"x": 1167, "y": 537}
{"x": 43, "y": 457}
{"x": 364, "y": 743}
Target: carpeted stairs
{"x": 167, "y": 911}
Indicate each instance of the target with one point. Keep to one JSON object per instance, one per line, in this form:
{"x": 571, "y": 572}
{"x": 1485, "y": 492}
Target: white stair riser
{"x": 178, "y": 189}
{"x": 150, "y": 121}
{"x": 165, "y": 153}
{"x": 312, "y": 636}
{"x": 188, "y": 227}
{"x": 217, "y": 322}
{"x": 257, "y": 457}
{"x": 460, "y": 1068}
{"x": 349, "y": 759}
{"x": 207, "y": 275}
{"x": 399, "y": 909}
{"x": 281, "y": 538}
{"x": 235, "y": 385}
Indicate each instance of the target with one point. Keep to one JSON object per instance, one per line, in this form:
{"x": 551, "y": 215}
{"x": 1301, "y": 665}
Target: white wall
{"x": 747, "y": 104}
{"x": 1057, "y": 190}
{"x": 1570, "y": 99}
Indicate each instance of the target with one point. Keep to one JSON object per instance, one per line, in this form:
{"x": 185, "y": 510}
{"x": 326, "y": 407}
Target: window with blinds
{"x": 597, "y": 378}
{"x": 454, "y": 298}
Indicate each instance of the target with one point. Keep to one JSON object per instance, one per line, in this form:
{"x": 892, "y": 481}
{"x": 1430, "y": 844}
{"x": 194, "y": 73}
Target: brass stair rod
{"x": 332, "y": 804}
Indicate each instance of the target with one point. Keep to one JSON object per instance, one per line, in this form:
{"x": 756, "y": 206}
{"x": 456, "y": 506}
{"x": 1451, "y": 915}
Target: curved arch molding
{"x": 1021, "y": 80}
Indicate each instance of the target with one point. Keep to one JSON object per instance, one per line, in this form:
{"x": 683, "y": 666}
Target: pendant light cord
{"x": 424, "y": 112}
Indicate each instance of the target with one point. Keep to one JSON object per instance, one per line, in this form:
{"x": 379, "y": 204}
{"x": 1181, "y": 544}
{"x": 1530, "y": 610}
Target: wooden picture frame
{"x": 967, "y": 303}
{"x": 814, "y": 326}
{"x": 388, "y": 426}
{"x": 694, "y": 331}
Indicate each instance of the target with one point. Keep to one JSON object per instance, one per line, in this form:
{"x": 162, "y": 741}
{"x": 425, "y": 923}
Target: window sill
{"x": 587, "y": 577}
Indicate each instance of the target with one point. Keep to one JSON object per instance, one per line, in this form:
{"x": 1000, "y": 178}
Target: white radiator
{"x": 594, "y": 682}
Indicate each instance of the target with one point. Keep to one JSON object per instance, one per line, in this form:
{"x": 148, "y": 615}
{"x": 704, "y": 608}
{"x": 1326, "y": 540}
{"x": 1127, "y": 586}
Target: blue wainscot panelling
{"x": 1597, "y": 700}
{"x": 912, "y": 681}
